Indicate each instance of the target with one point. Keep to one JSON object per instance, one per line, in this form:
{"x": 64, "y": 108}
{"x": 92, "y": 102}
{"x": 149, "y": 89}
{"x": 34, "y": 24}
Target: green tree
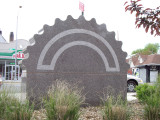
{"x": 149, "y": 49}
{"x": 152, "y": 48}
{"x": 146, "y": 17}
{"x": 137, "y": 51}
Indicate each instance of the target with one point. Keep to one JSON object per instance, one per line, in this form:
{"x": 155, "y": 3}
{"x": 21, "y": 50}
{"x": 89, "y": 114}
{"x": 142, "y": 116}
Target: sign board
{"x": 83, "y": 52}
{"x": 12, "y": 49}
{"x": 19, "y": 55}
{"x": 153, "y": 68}
{"x": 12, "y": 63}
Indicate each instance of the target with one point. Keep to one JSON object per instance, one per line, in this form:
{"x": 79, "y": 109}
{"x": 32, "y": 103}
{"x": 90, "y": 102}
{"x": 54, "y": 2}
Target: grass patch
{"x": 116, "y": 109}
{"x": 13, "y": 109}
{"x": 63, "y": 102}
{"x": 150, "y": 97}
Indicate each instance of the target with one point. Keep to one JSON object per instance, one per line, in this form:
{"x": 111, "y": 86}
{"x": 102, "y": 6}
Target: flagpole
{"x": 82, "y": 13}
{"x": 81, "y": 7}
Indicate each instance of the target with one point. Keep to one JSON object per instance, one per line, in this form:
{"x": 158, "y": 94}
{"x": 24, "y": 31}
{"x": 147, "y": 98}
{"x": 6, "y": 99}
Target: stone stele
{"x": 79, "y": 52}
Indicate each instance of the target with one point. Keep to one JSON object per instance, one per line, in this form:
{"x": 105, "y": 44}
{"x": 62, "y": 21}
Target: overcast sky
{"x": 35, "y": 13}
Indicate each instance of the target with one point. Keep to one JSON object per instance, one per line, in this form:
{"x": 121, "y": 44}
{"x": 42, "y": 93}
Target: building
{"x": 7, "y": 57}
{"x": 2, "y": 40}
{"x": 146, "y": 66}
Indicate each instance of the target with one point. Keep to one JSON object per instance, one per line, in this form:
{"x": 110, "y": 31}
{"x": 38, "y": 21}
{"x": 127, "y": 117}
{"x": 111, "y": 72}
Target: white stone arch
{"x": 73, "y": 31}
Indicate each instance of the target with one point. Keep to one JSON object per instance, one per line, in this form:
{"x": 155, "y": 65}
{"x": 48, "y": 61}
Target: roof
{"x": 2, "y": 40}
{"x": 21, "y": 44}
{"x": 153, "y": 59}
{"x": 7, "y": 50}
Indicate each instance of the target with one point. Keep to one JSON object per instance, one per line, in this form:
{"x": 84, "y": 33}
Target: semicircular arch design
{"x": 73, "y": 31}
{"x": 71, "y": 44}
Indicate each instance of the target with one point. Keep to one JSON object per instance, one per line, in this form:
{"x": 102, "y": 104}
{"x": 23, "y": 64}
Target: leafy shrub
{"x": 63, "y": 102}
{"x": 152, "y": 108}
{"x": 144, "y": 91}
{"x": 13, "y": 109}
{"x": 150, "y": 97}
{"x": 116, "y": 109}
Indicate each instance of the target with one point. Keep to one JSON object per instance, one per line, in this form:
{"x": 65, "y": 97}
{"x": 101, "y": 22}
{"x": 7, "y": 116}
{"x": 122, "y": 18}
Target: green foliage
{"x": 137, "y": 51}
{"x": 13, "y": 109}
{"x": 152, "y": 48}
{"x": 149, "y": 49}
{"x": 152, "y": 108}
{"x": 116, "y": 109}
{"x": 150, "y": 97}
{"x": 146, "y": 17}
{"x": 63, "y": 102}
{"x": 144, "y": 91}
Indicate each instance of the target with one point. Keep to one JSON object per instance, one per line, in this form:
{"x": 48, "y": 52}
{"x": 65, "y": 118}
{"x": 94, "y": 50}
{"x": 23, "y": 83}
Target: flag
{"x": 81, "y": 6}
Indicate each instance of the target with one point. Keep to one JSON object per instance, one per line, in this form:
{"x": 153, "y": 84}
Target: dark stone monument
{"x": 77, "y": 51}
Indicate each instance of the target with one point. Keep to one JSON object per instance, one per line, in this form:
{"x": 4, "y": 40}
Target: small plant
{"x": 152, "y": 108}
{"x": 63, "y": 102}
{"x": 144, "y": 91}
{"x": 150, "y": 97}
{"x": 116, "y": 109}
{"x": 13, "y": 109}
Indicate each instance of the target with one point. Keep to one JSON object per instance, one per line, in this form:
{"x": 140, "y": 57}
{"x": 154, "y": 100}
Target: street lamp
{"x": 15, "y": 78}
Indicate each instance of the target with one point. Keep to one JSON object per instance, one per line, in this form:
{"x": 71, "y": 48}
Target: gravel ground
{"x": 137, "y": 110}
{"x": 94, "y": 113}
{"x": 91, "y": 113}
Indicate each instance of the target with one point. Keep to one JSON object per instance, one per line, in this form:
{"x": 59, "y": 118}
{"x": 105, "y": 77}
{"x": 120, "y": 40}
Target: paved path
{"x": 17, "y": 89}
{"x": 131, "y": 96}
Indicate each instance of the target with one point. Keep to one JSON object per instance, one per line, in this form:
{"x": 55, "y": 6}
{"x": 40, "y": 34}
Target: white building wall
{"x": 131, "y": 65}
{"x": 142, "y": 74}
{"x": 153, "y": 76}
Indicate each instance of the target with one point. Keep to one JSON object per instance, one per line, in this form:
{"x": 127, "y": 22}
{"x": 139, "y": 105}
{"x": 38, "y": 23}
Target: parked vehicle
{"x": 132, "y": 82}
